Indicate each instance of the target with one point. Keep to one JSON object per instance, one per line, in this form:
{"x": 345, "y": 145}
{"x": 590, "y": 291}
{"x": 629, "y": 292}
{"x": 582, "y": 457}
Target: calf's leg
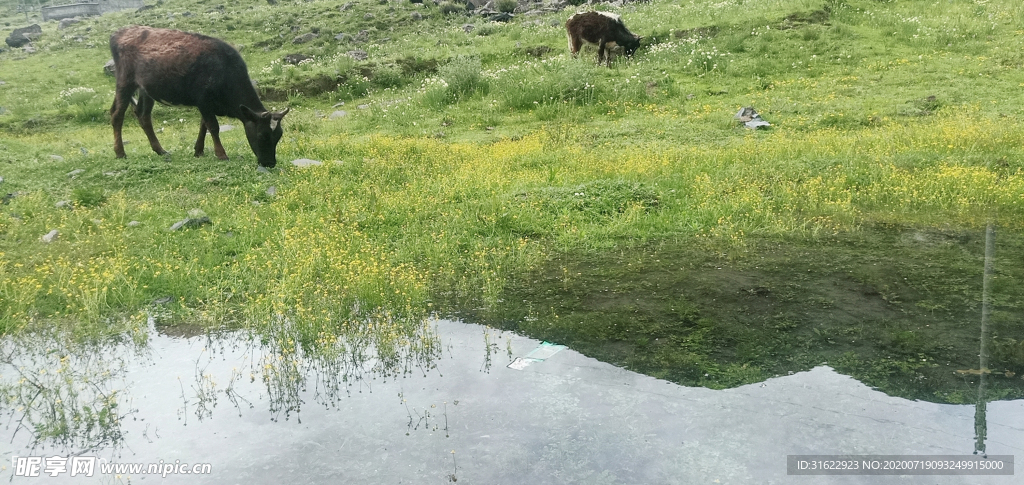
{"x": 144, "y": 111}
{"x": 210, "y": 123}
{"x": 122, "y": 97}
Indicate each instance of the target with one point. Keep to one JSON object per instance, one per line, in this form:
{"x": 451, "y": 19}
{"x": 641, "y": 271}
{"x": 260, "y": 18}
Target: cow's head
{"x": 263, "y": 130}
{"x": 630, "y": 46}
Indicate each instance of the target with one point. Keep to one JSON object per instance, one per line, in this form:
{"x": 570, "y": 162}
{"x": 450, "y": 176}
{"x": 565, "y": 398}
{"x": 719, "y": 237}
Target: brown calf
{"x": 603, "y": 29}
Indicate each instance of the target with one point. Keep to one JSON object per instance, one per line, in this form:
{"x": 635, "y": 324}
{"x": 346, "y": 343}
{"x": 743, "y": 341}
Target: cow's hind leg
{"x": 210, "y": 123}
{"x": 122, "y": 98}
{"x": 144, "y": 111}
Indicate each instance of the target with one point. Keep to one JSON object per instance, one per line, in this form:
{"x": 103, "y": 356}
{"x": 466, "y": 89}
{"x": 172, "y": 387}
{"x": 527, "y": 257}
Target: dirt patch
{"x": 801, "y": 19}
{"x": 698, "y": 33}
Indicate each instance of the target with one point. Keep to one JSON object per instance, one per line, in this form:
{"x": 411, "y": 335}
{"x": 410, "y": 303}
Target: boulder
{"x": 24, "y": 35}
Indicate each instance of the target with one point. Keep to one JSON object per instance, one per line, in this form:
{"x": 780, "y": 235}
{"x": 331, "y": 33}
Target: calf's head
{"x": 263, "y": 130}
{"x": 631, "y": 45}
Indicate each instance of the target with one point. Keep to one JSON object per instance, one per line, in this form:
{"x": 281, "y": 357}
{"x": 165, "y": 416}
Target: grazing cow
{"x": 603, "y": 29}
{"x": 182, "y": 68}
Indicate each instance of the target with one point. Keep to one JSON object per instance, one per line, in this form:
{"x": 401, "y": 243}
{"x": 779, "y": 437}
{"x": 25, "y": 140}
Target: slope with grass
{"x": 465, "y": 161}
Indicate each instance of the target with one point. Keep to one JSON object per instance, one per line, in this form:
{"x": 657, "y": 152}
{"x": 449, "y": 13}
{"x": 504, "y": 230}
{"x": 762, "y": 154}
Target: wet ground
{"x": 564, "y": 419}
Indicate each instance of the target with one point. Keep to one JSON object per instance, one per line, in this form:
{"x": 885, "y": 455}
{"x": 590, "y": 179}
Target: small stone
{"x": 347, "y": 6}
{"x": 162, "y": 300}
{"x": 363, "y": 106}
{"x": 341, "y": 37}
{"x": 50, "y": 236}
{"x": 416, "y": 16}
{"x": 134, "y": 224}
{"x": 368, "y": 16}
{"x": 57, "y": 158}
{"x": 84, "y": 151}
{"x": 302, "y": 39}
{"x": 295, "y": 59}
{"x": 64, "y": 204}
{"x": 226, "y": 128}
{"x": 272, "y": 191}
{"x": 29, "y": 49}
{"x": 65, "y": 23}
{"x": 338, "y": 105}
{"x": 358, "y": 54}
{"x": 305, "y": 162}
{"x": 338, "y": 114}
{"x": 76, "y": 172}
{"x": 467, "y": 28}
{"x": 191, "y": 223}
{"x": 262, "y": 169}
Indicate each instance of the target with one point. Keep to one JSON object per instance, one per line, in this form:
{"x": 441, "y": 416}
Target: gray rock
{"x": 338, "y": 114}
{"x": 295, "y": 59}
{"x": 190, "y": 223}
{"x": 368, "y": 16}
{"x": 64, "y": 204}
{"x": 84, "y": 151}
{"x": 467, "y": 28}
{"x": 362, "y": 36}
{"x": 302, "y": 39}
{"x": 163, "y": 300}
{"x": 24, "y": 35}
{"x": 305, "y": 162}
{"x": 76, "y": 172}
{"x": 65, "y": 23}
{"x": 342, "y": 37}
{"x": 347, "y": 6}
{"x": 272, "y": 191}
{"x": 358, "y": 54}
{"x": 363, "y": 106}
{"x": 50, "y": 236}
{"x": 262, "y": 169}
{"x": 57, "y": 158}
{"x": 416, "y": 16}
{"x": 338, "y": 105}
{"x": 134, "y": 224}
{"x": 108, "y": 68}
{"x": 29, "y": 49}
{"x": 226, "y": 128}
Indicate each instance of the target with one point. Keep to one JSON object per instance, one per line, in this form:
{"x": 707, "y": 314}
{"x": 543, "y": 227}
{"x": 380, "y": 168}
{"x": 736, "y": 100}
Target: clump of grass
{"x": 459, "y": 79}
{"x": 558, "y": 80}
{"x": 451, "y": 8}
{"x": 596, "y": 198}
{"x": 88, "y": 196}
{"x": 508, "y": 6}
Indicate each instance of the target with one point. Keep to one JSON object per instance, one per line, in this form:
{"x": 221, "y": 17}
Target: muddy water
{"x": 564, "y": 419}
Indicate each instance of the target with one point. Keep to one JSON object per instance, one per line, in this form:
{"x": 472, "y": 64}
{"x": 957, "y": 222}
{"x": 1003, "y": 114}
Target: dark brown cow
{"x": 182, "y": 68}
{"x": 603, "y": 29}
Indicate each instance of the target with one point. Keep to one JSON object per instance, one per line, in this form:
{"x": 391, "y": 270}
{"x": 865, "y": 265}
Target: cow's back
{"x": 172, "y": 66}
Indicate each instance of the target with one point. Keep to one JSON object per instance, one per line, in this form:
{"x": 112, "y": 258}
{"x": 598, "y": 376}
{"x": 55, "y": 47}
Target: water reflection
{"x": 980, "y": 423}
{"x": 70, "y": 395}
{"x": 566, "y": 419}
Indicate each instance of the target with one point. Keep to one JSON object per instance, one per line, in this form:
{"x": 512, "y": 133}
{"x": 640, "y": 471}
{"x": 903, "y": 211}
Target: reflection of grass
{"x": 776, "y": 306}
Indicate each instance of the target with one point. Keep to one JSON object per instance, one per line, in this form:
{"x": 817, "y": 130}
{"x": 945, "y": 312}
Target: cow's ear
{"x": 248, "y": 114}
{"x": 278, "y": 116}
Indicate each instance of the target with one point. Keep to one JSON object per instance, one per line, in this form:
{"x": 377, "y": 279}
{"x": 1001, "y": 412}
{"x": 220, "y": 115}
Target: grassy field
{"x": 472, "y": 163}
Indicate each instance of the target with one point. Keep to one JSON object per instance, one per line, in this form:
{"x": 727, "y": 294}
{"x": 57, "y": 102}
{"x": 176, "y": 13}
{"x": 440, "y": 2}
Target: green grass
{"x": 457, "y": 168}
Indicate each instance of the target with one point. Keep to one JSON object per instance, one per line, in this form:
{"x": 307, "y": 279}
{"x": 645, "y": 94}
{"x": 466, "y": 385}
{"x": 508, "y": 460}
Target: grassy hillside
{"x": 470, "y": 158}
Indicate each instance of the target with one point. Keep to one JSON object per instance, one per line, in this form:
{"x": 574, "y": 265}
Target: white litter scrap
{"x": 750, "y": 118}
{"x": 543, "y": 351}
